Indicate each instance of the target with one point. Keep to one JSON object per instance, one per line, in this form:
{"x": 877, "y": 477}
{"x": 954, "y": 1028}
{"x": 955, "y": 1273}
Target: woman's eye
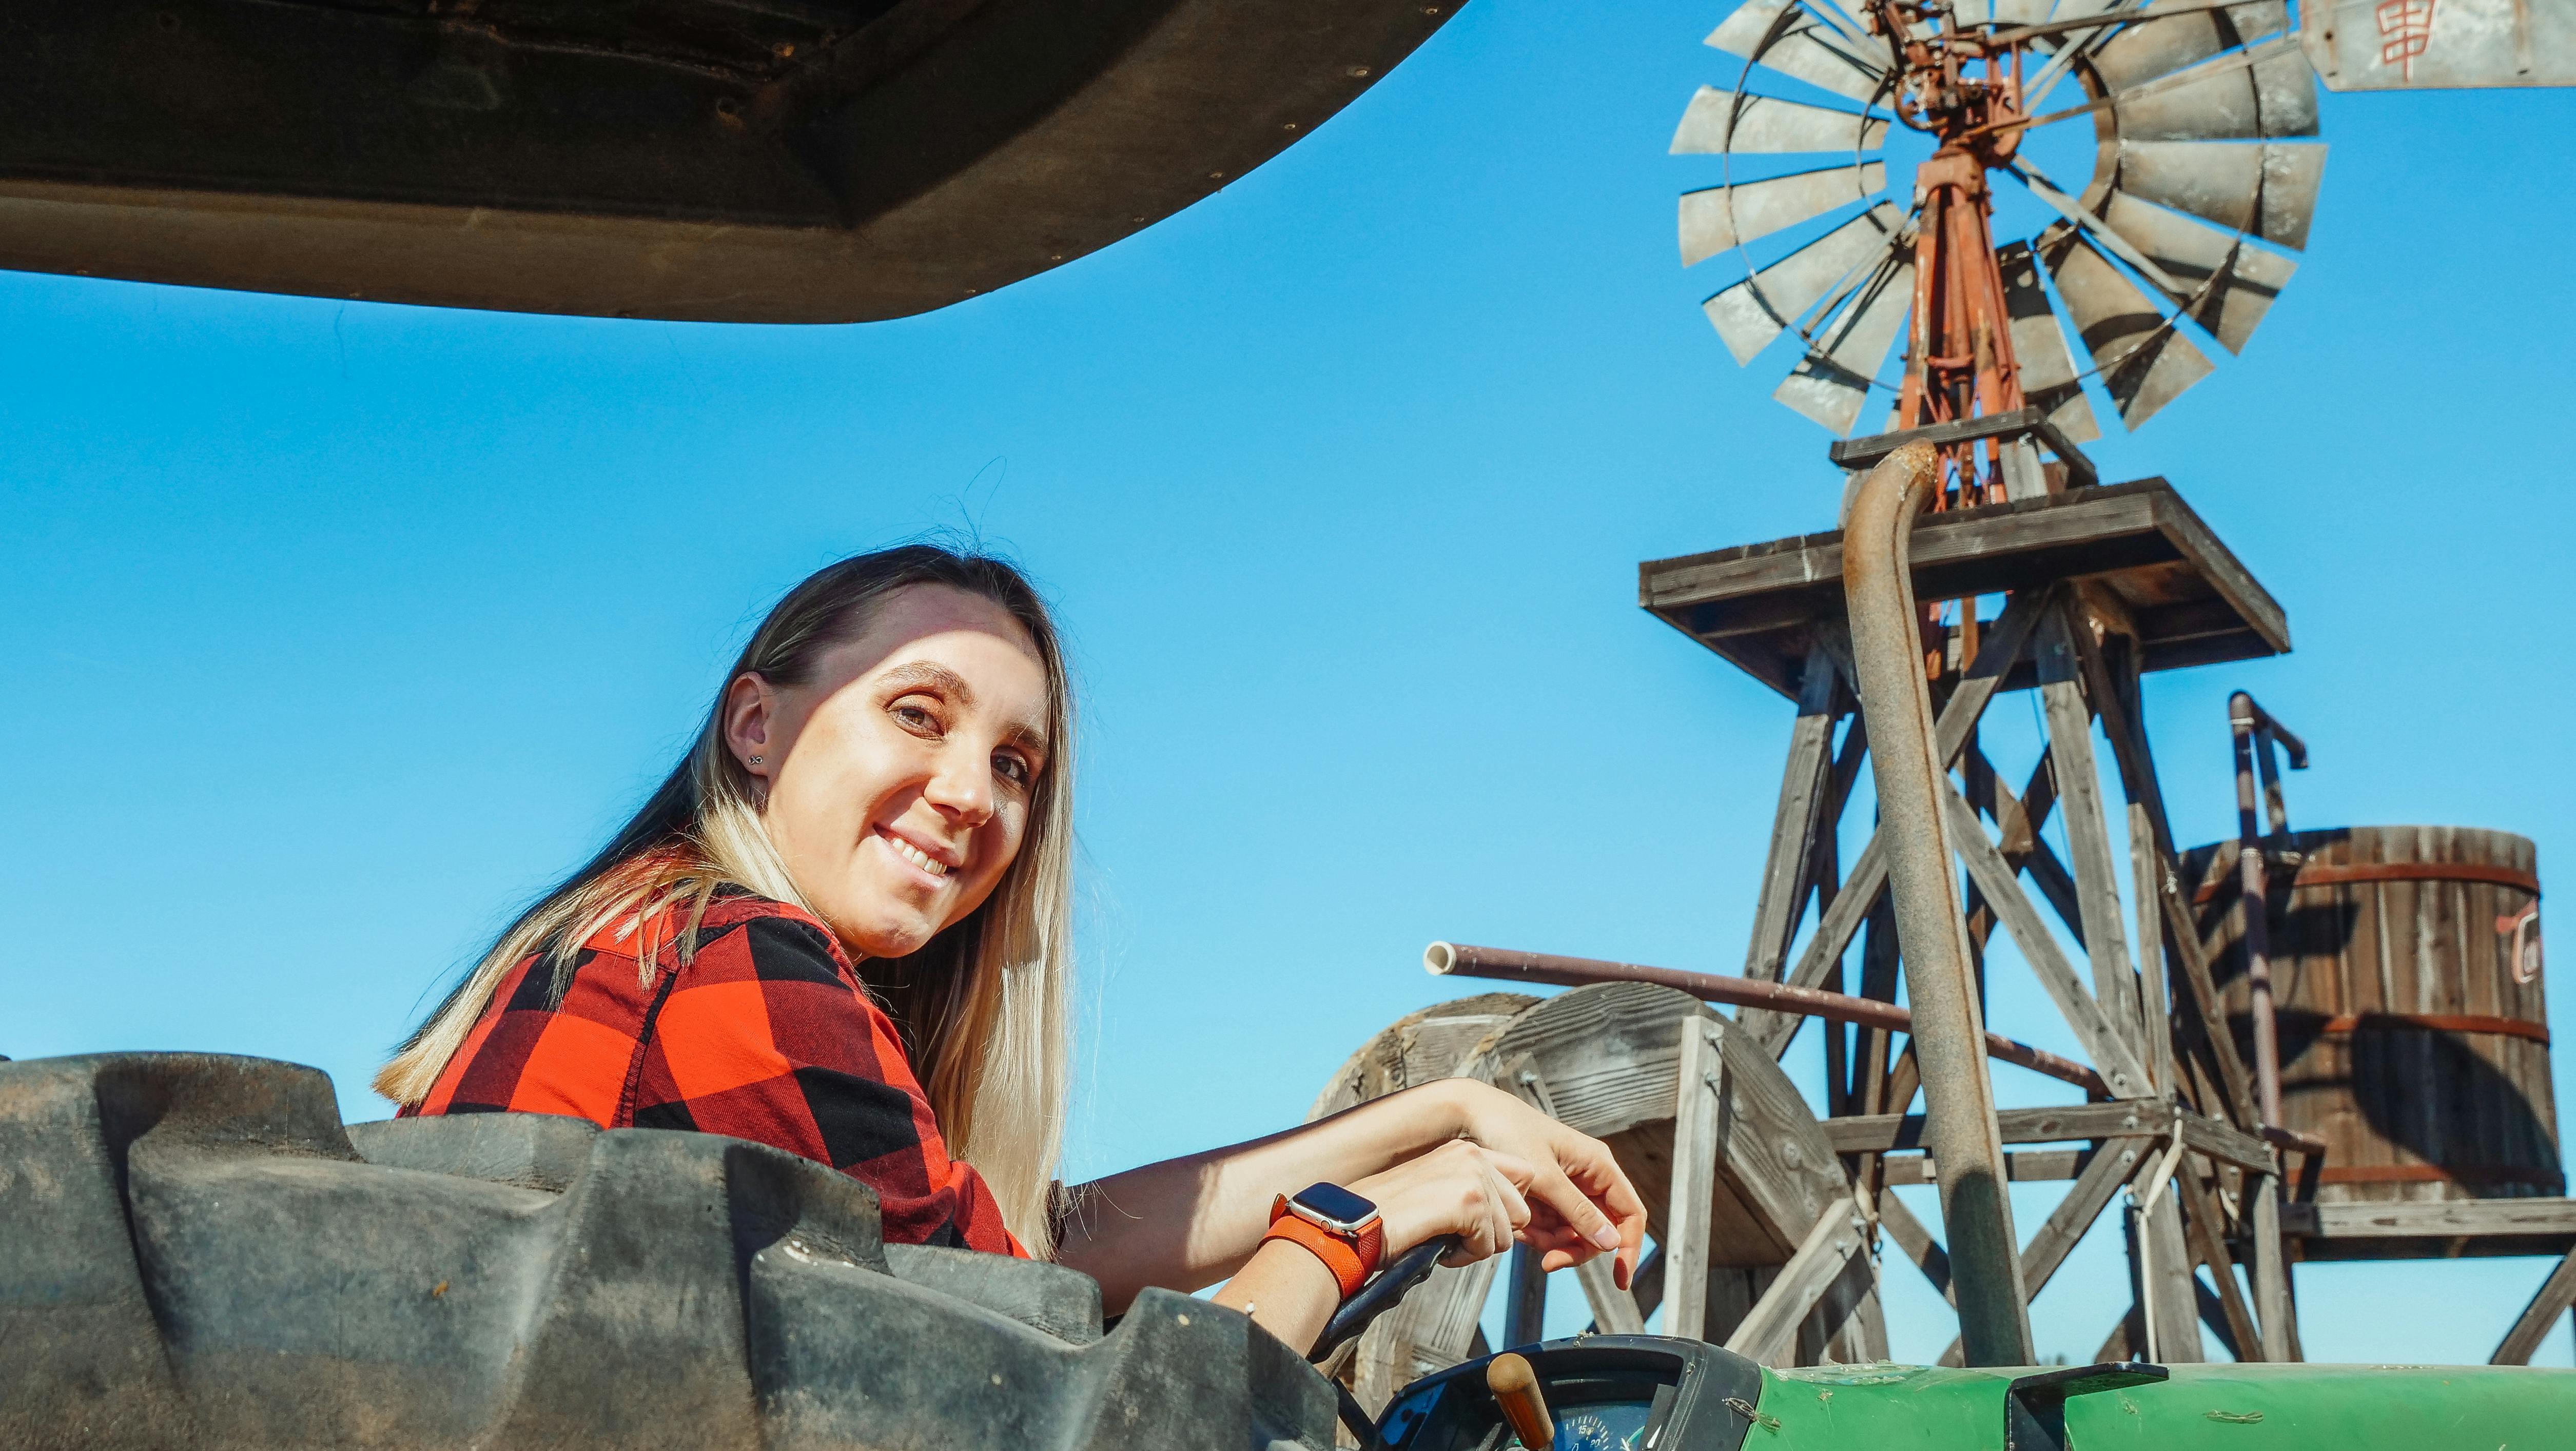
{"x": 916, "y": 717}
{"x": 1013, "y": 769}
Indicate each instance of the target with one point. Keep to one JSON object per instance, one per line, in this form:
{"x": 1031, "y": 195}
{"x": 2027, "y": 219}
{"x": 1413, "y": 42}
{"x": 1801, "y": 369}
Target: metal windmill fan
{"x": 2179, "y": 236}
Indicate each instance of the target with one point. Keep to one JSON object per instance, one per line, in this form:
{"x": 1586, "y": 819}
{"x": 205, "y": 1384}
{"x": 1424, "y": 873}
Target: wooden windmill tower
{"x": 1894, "y": 636}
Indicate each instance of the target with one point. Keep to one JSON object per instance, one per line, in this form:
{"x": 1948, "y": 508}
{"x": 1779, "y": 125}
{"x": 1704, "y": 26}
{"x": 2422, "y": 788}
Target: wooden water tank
{"x": 2406, "y": 976}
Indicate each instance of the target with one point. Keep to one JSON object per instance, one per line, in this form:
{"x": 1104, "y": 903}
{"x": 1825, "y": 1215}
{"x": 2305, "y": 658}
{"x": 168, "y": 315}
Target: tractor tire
{"x": 196, "y": 1254}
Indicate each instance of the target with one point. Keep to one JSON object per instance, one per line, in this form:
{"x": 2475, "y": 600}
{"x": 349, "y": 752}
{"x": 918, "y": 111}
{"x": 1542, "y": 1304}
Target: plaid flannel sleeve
{"x": 766, "y": 1036}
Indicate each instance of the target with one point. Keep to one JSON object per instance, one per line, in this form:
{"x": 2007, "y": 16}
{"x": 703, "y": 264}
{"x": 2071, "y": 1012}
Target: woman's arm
{"x": 1187, "y": 1223}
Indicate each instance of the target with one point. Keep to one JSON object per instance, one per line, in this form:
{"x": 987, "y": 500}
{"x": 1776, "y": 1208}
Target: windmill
{"x": 2022, "y": 284}
{"x": 2168, "y": 254}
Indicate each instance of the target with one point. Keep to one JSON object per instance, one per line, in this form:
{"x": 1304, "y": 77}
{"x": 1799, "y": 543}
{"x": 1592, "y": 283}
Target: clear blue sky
{"x": 336, "y": 630}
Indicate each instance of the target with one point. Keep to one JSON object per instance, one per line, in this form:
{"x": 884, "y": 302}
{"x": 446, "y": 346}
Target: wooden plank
{"x": 1860, "y": 892}
{"x": 2031, "y": 1166}
{"x": 2221, "y": 1140}
{"x": 2214, "y": 562}
{"x": 2425, "y": 1219}
{"x": 1772, "y": 1325}
{"x": 1803, "y": 790}
{"x": 2557, "y": 1294}
{"x": 2182, "y": 937}
{"x": 2023, "y": 848}
{"x": 2207, "y": 1233}
{"x": 2168, "y": 1288}
{"x": 1696, "y": 1109}
{"x": 1614, "y": 1310}
{"x": 2088, "y": 833}
{"x": 2111, "y": 1054}
{"x": 1917, "y": 1243}
{"x": 2128, "y": 1118}
{"x": 2274, "y": 1303}
{"x": 1524, "y": 1300}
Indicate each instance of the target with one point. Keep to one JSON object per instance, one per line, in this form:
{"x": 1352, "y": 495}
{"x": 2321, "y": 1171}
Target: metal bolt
{"x": 1359, "y": 72}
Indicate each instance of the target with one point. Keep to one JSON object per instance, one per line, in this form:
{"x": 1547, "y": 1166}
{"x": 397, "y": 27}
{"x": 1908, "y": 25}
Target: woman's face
{"x": 900, "y": 776}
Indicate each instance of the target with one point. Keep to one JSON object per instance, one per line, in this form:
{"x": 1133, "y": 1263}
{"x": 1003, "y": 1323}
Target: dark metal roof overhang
{"x": 722, "y": 160}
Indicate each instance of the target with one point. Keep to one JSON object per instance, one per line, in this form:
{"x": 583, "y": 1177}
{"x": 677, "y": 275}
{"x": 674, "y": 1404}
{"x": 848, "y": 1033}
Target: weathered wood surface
{"x": 2205, "y": 1230}
{"x": 2437, "y": 1229}
{"x": 2547, "y": 1308}
{"x": 2407, "y": 1113}
{"x": 1806, "y": 802}
{"x": 1606, "y": 1060}
{"x": 1771, "y": 1325}
{"x": 1689, "y": 1228}
{"x": 2059, "y": 1124}
{"x": 2104, "y": 1170}
{"x": 2112, "y": 1056}
{"x": 2030, "y": 1166}
{"x": 1436, "y": 1326}
{"x": 2088, "y": 834}
{"x": 2189, "y": 600}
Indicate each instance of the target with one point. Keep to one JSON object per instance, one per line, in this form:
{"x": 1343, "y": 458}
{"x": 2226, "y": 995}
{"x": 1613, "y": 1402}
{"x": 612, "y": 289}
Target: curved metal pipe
{"x": 1949, "y": 1032}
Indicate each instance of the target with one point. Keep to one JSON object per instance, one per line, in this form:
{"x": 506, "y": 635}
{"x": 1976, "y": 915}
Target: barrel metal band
{"x": 2329, "y": 874}
{"x": 2350, "y": 1023}
{"x": 2438, "y": 1174}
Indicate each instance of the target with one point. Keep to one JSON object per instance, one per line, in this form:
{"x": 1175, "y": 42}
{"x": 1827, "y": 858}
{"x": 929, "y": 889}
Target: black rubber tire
{"x": 194, "y": 1253}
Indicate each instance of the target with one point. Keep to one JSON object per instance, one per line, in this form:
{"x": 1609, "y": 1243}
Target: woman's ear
{"x": 750, "y": 710}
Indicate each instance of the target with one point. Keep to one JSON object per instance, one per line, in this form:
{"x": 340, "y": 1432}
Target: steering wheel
{"x": 1357, "y": 1313}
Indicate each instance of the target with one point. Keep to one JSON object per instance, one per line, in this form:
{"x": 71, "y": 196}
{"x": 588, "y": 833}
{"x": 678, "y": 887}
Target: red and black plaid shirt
{"x": 764, "y": 1035}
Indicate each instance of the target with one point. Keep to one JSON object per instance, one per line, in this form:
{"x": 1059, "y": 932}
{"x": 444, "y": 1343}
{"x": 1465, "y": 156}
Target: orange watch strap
{"x": 1352, "y": 1259}
{"x": 1338, "y": 1254}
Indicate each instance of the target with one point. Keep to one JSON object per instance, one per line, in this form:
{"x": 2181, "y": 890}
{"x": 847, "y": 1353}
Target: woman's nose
{"x": 963, "y": 789}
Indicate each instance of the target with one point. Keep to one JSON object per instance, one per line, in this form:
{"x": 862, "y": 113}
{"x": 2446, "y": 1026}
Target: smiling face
{"x": 900, "y": 776}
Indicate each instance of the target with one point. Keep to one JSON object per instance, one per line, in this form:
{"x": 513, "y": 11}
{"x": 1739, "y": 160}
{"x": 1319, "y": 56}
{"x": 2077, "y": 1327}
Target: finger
{"x": 1595, "y": 1170}
{"x": 1590, "y": 1190}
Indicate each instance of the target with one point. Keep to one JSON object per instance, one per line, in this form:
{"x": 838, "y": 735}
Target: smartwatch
{"x": 1335, "y": 1226}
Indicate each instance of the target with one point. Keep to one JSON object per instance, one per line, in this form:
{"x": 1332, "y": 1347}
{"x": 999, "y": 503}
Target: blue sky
{"x": 336, "y": 630}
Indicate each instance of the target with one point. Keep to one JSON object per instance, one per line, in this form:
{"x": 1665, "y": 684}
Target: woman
{"x": 842, "y": 927}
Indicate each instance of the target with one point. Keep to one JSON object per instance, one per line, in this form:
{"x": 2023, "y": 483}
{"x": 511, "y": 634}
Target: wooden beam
{"x": 1917, "y": 1243}
{"x": 2023, "y": 848}
{"x": 1772, "y": 1325}
{"x": 2111, "y": 1055}
{"x": 2222, "y": 1140}
{"x": 1793, "y": 820}
{"x": 2206, "y": 1229}
{"x": 2167, "y": 1289}
{"x": 2428, "y": 1219}
{"x": 2275, "y": 1304}
{"x": 2088, "y": 834}
{"x": 1614, "y": 1310}
{"x": 2001, "y": 649}
{"x": 2557, "y": 1294}
{"x": 1697, "y": 1107}
{"x": 2129, "y": 1118}
{"x": 2137, "y": 765}
{"x": 2030, "y": 1166}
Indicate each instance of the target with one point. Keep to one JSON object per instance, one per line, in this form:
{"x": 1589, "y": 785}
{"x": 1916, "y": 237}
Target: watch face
{"x": 1335, "y": 1203}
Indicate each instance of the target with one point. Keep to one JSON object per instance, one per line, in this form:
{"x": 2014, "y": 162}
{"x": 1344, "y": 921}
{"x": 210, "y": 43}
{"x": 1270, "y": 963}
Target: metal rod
{"x": 1454, "y": 959}
{"x": 1967, "y": 1151}
{"x": 2247, "y": 721}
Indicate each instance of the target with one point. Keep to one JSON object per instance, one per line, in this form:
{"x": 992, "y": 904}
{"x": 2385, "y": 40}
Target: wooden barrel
{"x": 2406, "y": 977}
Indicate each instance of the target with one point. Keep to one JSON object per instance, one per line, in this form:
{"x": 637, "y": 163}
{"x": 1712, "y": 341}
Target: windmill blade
{"x": 2020, "y": 12}
{"x": 1971, "y": 13}
{"x": 1754, "y": 311}
{"x": 2267, "y": 190}
{"x": 1721, "y": 217}
{"x": 2170, "y": 34}
{"x": 1714, "y": 124}
{"x": 2047, "y": 369}
{"x": 2230, "y": 286}
{"x": 1811, "y": 50}
{"x": 2264, "y": 90}
{"x": 1832, "y": 382}
{"x": 2145, "y": 363}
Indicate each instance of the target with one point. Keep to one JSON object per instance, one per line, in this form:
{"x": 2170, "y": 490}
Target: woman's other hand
{"x": 1581, "y": 1203}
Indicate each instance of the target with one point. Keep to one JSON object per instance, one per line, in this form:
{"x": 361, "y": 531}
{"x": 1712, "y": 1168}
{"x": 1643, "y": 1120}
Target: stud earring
{"x": 755, "y": 760}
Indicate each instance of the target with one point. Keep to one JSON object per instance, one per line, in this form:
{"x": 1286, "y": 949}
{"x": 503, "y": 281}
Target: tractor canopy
{"x": 721, "y": 160}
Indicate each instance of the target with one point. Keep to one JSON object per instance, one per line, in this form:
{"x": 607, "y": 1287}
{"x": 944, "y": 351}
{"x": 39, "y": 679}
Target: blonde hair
{"x": 986, "y": 1004}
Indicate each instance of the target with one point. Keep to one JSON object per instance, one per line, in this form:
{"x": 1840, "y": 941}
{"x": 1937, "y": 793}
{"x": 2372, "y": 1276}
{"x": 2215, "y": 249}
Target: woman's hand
{"x": 1580, "y": 1200}
{"x": 1459, "y": 1188}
